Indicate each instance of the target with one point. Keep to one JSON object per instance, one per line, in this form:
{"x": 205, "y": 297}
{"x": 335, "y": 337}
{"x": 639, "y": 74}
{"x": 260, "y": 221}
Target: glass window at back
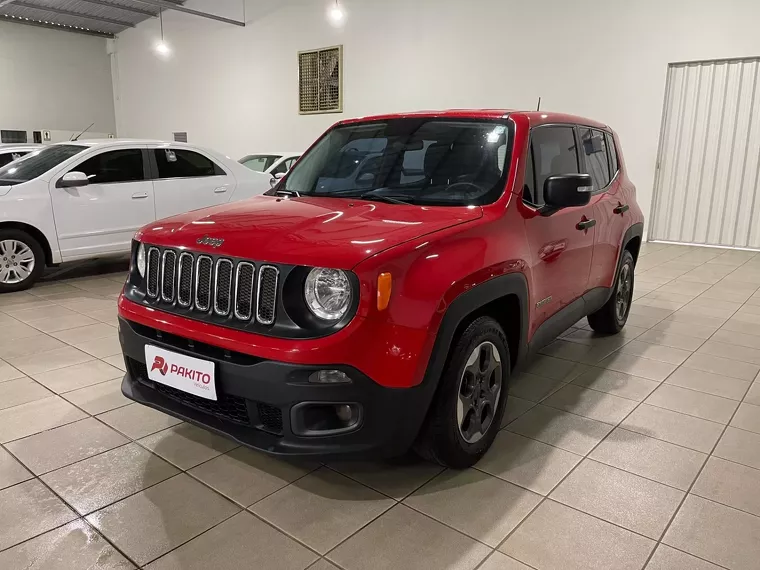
{"x": 179, "y": 163}
{"x": 415, "y": 160}
{"x": 595, "y": 153}
{"x": 115, "y": 166}
{"x": 554, "y": 154}
{"x": 613, "y": 154}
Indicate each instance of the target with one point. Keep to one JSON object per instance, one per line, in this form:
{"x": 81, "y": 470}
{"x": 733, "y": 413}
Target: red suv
{"x": 383, "y": 292}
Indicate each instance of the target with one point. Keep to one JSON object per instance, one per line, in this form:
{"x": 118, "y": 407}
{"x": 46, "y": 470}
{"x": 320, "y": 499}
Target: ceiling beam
{"x": 180, "y": 8}
{"x": 75, "y": 14}
{"x": 5, "y": 2}
{"x": 60, "y": 27}
{"x": 131, "y": 9}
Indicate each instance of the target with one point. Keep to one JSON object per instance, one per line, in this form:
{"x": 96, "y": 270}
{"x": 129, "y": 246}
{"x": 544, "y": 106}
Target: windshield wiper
{"x": 383, "y": 198}
{"x": 287, "y": 193}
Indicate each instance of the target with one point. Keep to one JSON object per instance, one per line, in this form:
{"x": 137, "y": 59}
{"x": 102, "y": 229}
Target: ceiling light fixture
{"x": 162, "y": 48}
{"x": 336, "y": 13}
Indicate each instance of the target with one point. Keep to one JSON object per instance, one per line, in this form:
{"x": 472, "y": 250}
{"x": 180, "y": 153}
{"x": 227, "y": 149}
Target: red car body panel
{"x": 433, "y": 253}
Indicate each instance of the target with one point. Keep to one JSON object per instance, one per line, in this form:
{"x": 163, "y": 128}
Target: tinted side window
{"x": 6, "y": 158}
{"x": 177, "y": 163}
{"x": 613, "y": 154}
{"x": 115, "y": 166}
{"x": 554, "y": 153}
{"x": 595, "y": 153}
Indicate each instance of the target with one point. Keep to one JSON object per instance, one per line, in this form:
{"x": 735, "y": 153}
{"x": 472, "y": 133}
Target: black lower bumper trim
{"x": 256, "y": 397}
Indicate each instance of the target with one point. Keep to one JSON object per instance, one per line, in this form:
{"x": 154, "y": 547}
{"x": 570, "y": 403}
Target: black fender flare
{"x": 635, "y": 231}
{"x": 469, "y": 302}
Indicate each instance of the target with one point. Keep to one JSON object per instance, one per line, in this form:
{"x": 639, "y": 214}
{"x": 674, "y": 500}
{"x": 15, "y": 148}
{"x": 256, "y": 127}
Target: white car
{"x": 11, "y": 152}
{"x": 83, "y": 199}
{"x": 276, "y": 164}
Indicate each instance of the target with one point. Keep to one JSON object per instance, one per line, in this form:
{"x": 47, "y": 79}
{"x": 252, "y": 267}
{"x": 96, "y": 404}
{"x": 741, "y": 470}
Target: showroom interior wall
{"x": 54, "y": 80}
{"x": 235, "y": 89}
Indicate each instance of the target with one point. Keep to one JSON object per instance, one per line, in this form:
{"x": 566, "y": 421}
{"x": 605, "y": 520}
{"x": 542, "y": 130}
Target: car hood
{"x": 322, "y": 232}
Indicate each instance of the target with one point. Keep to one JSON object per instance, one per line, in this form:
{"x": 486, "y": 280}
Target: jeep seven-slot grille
{"x": 240, "y": 290}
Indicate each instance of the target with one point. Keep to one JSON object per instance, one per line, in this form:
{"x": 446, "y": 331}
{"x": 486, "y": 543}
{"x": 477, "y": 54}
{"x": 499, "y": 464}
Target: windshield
{"x": 37, "y": 163}
{"x": 440, "y": 162}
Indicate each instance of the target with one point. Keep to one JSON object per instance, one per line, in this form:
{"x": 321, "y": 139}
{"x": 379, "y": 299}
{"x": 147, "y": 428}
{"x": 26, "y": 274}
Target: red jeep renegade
{"x": 383, "y": 292}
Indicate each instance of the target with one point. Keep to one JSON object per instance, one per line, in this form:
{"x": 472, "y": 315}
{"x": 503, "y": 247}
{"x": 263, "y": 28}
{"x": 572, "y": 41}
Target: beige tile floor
{"x": 635, "y": 451}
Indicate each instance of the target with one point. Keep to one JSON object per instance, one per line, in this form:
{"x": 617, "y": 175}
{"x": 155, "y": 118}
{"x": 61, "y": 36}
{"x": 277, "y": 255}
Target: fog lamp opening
{"x": 320, "y": 419}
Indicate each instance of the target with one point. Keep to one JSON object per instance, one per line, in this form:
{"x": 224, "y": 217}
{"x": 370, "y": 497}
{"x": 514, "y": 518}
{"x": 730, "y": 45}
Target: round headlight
{"x": 327, "y": 293}
{"x": 141, "y": 260}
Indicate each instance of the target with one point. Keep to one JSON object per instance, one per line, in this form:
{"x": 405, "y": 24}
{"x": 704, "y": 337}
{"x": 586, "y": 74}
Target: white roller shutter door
{"x": 707, "y": 188}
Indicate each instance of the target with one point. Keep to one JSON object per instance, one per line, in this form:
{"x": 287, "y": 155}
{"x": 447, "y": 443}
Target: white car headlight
{"x": 141, "y": 260}
{"x": 328, "y": 293}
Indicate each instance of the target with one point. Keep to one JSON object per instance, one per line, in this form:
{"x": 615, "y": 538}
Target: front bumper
{"x": 256, "y": 398}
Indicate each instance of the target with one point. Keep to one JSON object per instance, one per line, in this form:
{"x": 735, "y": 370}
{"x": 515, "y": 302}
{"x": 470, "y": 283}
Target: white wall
{"x": 235, "y": 89}
{"x": 54, "y": 80}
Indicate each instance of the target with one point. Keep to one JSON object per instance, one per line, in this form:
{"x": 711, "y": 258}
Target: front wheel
{"x": 467, "y": 410}
{"x": 21, "y": 260}
{"x": 611, "y": 318}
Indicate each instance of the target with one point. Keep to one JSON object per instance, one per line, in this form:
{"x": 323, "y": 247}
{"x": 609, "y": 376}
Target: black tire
{"x": 611, "y": 318}
{"x": 39, "y": 260}
{"x": 441, "y": 439}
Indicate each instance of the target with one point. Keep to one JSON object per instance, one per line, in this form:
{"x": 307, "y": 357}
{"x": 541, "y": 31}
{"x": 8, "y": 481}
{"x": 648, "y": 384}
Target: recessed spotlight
{"x": 163, "y": 48}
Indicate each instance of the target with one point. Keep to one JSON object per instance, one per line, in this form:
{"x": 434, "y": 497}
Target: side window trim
{"x": 612, "y": 151}
{"x": 105, "y": 151}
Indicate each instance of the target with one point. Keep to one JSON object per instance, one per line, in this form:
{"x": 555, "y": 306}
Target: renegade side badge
{"x": 543, "y": 302}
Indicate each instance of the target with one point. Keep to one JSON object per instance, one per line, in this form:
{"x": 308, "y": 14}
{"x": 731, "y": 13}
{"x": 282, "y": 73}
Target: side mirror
{"x": 73, "y": 179}
{"x": 275, "y": 179}
{"x": 567, "y": 191}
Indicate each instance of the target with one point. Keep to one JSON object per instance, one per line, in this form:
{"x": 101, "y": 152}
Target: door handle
{"x": 585, "y": 225}
{"x": 220, "y": 190}
{"x": 621, "y": 209}
{"x": 139, "y": 195}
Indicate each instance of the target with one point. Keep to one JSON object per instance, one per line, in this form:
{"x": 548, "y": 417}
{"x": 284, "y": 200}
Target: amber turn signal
{"x": 384, "y": 282}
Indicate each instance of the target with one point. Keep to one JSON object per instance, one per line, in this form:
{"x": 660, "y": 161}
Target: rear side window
{"x": 614, "y": 167}
{"x": 6, "y": 158}
{"x": 554, "y": 152}
{"x": 180, "y": 163}
{"x": 595, "y": 154}
{"x": 114, "y": 166}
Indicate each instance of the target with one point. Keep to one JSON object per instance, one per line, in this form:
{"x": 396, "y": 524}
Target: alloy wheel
{"x": 623, "y": 292}
{"x": 479, "y": 391}
{"x": 16, "y": 261}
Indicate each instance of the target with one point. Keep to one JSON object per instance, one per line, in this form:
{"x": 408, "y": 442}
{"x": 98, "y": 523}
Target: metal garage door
{"x": 707, "y": 187}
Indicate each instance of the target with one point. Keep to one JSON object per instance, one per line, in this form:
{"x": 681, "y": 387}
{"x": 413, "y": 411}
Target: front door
{"x": 561, "y": 244}
{"x": 188, "y": 180}
{"x": 101, "y": 217}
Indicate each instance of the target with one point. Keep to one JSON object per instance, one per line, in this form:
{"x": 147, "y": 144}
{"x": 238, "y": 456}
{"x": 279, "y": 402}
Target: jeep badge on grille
{"x": 213, "y": 242}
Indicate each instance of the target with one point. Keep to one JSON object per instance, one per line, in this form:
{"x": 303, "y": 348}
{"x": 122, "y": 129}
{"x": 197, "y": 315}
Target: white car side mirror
{"x": 275, "y": 179}
{"x": 73, "y": 179}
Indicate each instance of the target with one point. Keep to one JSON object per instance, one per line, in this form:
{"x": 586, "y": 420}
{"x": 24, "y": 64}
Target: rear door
{"x": 561, "y": 248}
{"x": 599, "y": 158}
{"x": 186, "y": 179}
{"x": 102, "y": 216}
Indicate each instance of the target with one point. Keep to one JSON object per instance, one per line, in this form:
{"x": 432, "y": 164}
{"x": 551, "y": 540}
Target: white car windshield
{"x": 37, "y": 163}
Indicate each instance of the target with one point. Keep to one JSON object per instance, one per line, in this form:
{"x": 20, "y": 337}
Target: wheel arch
{"x": 503, "y": 298}
{"x": 35, "y": 233}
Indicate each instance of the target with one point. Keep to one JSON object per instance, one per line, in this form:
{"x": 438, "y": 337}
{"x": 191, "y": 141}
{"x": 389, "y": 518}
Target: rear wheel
{"x": 21, "y": 260}
{"x": 466, "y": 413}
{"x": 611, "y": 318}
